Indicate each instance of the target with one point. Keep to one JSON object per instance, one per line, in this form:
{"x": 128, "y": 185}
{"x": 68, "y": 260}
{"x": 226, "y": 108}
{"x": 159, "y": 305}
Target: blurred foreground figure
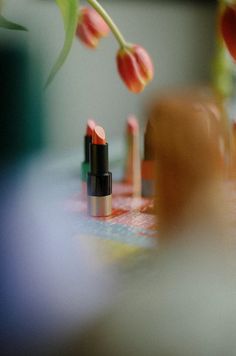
{"x": 193, "y": 142}
{"x": 53, "y": 283}
{"x": 181, "y": 302}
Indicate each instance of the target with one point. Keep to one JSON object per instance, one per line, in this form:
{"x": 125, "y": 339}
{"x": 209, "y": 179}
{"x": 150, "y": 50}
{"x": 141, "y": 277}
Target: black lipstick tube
{"x": 99, "y": 184}
{"x": 87, "y": 142}
{"x": 85, "y": 163}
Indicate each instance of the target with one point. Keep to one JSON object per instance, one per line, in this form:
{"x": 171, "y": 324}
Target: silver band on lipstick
{"x": 100, "y": 206}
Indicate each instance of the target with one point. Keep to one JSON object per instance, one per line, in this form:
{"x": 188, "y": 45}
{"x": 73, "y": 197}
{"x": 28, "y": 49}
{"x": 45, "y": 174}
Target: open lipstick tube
{"x": 99, "y": 183}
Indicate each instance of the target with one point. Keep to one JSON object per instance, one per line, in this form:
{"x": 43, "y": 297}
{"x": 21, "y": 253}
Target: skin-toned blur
{"x": 181, "y": 299}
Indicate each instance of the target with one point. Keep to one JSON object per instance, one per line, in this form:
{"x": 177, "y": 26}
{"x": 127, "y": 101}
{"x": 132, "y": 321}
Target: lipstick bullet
{"x": 87, "y": 141}
{"x": 133, "y": 169}
{"x": 99, "y": 183}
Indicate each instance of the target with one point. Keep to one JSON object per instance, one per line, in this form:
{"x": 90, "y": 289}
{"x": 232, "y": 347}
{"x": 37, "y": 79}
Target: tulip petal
{"x": 135, "y": 67}
{"x": 91, "y": 27}
{"x": 129, "y": 71}
{"x": 95, "y": 23}
{"x": 86, "y": 36}
{"x": 228, "y": 29}
{"x": 145, "y": 63}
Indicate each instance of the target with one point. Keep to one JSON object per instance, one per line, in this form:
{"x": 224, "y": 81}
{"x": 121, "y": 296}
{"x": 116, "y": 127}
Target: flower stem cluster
{"x": 133, "y": 62}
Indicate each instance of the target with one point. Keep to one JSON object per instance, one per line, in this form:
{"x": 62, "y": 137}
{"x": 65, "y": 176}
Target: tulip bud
{"x": 228, "y": 28}
{"x": 135, "y": 67}
{"x": 91, "y": 27}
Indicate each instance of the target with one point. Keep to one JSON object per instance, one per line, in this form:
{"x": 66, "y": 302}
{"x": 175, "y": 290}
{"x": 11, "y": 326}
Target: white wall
{"x": 179, "y": 36}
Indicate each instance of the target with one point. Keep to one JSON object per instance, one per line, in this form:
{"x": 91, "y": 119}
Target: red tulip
{"x": 91, "y": 27}
{"x": 135, "y": 67}
{"x": 228, "y": 28}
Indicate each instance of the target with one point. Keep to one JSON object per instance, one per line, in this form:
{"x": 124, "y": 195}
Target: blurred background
{"x": 48, "y": 300}
{"x": 179, "y": 35}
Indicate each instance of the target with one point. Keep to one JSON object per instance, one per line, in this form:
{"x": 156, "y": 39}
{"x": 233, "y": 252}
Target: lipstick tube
{"x": 132, "y": 168}
{"x": 87, "y": 141}
{"x": 99, "y": 183}
{"x": 148, "y": 164}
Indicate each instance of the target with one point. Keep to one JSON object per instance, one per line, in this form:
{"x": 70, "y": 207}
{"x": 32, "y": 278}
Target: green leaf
{"x": 68, "y": 10}
{"x": 4, "y": 23}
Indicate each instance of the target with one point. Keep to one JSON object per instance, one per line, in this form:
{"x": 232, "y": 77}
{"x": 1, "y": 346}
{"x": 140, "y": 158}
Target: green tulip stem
{"x": 116, "y": 32}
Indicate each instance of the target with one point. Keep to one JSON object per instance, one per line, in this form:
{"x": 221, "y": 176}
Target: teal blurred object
{"x": 21, "y": 123}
